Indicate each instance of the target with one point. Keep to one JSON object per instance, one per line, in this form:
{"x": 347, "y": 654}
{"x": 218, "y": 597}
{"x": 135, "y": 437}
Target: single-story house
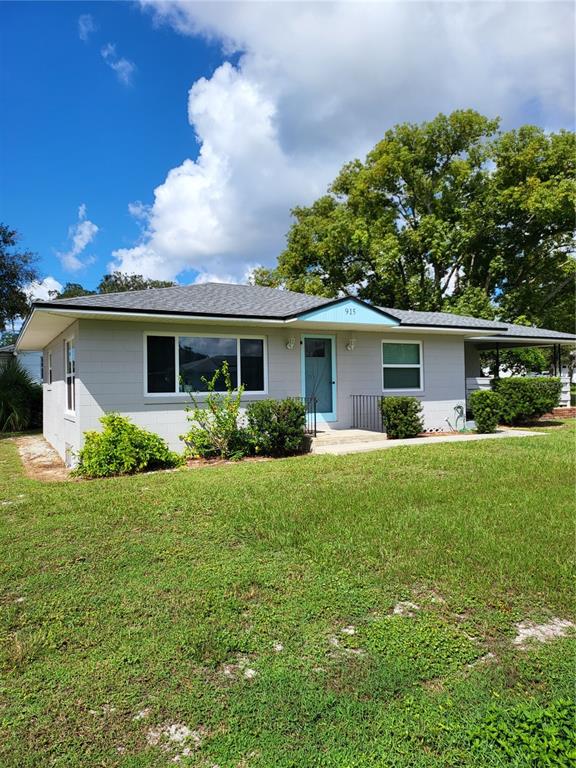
{"x": 138, "y": 352}
{"x": 31, "y": 361}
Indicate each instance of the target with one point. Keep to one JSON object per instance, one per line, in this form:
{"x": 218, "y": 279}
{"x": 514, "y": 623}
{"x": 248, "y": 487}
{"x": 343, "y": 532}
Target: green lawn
{"x": 216, "y": 598}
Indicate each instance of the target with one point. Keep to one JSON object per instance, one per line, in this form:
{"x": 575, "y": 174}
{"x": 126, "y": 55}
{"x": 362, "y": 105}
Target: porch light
{"x": 350, "y": 344}
{"x": 290, "y": 343}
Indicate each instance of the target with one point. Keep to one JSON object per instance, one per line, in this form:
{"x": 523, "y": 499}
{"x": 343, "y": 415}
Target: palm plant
{"x": 20, "y": 398}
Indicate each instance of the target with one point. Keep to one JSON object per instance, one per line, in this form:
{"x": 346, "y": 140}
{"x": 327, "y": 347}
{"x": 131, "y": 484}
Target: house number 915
{"x": 350, "y": 310}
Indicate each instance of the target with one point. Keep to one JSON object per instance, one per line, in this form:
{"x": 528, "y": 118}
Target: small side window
{"x": 70, "y": 363}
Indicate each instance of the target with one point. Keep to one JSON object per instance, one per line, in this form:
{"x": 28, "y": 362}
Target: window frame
{"x": 49, "y": 374}
{"x": 67, "y": 343}
{"x": 177, "y": 336}
{"x": 419, "y": 365}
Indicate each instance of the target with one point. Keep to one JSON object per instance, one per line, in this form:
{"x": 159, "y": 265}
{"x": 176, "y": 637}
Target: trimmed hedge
{"x": 486, "y": 409}
{"x": 402, "y": 416}
{"x": 527, "y": 398}
{"x": 122, "y": 448}
{"x": 276, "y": 427}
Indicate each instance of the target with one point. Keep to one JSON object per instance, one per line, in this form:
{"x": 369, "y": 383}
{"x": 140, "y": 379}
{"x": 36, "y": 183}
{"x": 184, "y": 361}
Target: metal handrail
{"x": 367, "y": 412}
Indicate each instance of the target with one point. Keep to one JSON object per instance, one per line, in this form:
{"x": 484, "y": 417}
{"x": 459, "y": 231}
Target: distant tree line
{"x": 18, "y": 270}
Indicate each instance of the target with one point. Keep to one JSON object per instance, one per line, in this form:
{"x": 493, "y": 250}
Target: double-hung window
{"x": 401, "y": 366}
{"x": 70, "y": 372}
{"x": 184, "y": 363}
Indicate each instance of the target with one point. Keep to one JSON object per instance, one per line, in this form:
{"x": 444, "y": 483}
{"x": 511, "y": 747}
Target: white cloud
{"x": 86, "y": 26}
{"x": 124, "y": 68}
{"x": 40, "y": 291}
{"x": 317, "y": 84}
{"x": 81, "y": 235}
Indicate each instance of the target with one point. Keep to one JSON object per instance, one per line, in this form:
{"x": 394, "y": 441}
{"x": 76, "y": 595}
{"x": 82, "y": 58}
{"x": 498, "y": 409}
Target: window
{"x": 161, "y": 364}
{"x": 49, "y": 381}
{"x": 179, "y": 363}
{"x": 70, "y": 363}
{"x": 401, "y": 365}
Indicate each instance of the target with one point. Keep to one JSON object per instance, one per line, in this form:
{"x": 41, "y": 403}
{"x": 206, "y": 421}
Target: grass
{"x": 163, "y": 594}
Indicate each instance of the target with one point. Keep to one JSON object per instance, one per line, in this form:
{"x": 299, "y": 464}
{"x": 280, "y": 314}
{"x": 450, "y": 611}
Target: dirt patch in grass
{"x": 529, "y": 631}
{"x": 40, "y": 460}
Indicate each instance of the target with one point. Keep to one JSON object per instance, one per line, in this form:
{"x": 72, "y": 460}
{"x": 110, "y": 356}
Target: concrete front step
{"x": 343, "y": 436}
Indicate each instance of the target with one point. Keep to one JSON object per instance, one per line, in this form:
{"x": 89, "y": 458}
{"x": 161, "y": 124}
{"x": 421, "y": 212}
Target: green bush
{"x": 402, "y": 416}
{"x": 530, "y": 735}
{"x": 486, "y": 409}
{"x": 20, "y": 398}
{"x": 277, "y": 427}
{"x": 525, "y": 399}
{"x": 122, "y": 448}
{"x": 216, "y": 429}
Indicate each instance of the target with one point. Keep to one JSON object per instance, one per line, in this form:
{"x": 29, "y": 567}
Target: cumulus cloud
{"x": 41, "y": 291}
{"x": 86, "y": 26}
{"x": 124, "y": 68}
{"x": 81, "y": 235}
{"x": 316, "y": 84}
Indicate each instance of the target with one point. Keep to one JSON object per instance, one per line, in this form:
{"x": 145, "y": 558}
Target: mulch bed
{"x": 201, "y": 463}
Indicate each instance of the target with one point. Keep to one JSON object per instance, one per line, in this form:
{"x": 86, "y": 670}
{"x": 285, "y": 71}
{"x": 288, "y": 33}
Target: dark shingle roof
{"x": 448, "y": 320}
{"x": 220, "y": 299}
{"x": 531, "y": 332}
{"x": 258, "y": 302}
{"x": 443, "y": 319}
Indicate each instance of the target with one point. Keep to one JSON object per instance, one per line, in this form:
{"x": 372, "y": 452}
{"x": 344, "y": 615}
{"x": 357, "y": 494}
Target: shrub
{"x": 20, "y": 398}
{"x": 527, "y": 398}
{"x": 402, "y": 416}
{"x": 122, "y": 448}
{"x": 277, "y": 427}
{"x": 486, "y": 409}
{"x": 215, "y": 429}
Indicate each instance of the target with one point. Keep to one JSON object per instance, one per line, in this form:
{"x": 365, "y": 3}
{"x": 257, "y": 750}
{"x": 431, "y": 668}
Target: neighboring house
{"x": 134, "y": 352}
{"x": 31, "y": 361}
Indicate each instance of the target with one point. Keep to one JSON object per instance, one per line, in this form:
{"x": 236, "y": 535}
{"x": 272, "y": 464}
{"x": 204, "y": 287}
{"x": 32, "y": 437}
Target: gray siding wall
{"x": 30, "y": 361}
{"x": 111, "y": 367}
{"x": 360, "y": 373}
{"x": 60, "y": 428}
{"x": 110, "y": 376}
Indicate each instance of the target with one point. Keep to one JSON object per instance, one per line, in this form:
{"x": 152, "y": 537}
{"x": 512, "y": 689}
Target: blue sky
{"x": 281, "y": 96}
{"x": 77, "y": 134}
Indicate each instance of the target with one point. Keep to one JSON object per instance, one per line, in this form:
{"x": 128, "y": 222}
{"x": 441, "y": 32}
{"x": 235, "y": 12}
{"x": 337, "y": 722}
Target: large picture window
{"x": 70, "y": 371}
{"x": 180, "y": 363}
{"x": 401, "y": 366}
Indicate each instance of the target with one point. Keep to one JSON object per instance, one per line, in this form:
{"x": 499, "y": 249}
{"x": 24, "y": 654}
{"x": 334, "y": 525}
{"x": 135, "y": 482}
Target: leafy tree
{"x": 7, "y": 338}
{"x": 449, "y": 215}
{"x": 119, "y": 281}
{"x": 17, "y": 270}
{"x": 70, "y": 291}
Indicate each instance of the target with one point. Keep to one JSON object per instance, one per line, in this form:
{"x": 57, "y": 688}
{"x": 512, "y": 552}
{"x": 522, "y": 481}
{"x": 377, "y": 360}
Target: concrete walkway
{"x": 337, "y": 442}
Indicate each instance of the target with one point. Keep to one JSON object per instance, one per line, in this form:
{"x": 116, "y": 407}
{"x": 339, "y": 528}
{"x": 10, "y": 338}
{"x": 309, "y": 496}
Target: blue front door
{"x": 319, "y": 374}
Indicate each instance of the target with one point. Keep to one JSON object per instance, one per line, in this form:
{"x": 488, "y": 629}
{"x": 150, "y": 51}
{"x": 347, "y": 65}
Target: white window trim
{"x": 177, "y": 336}
{"x": 67, "y": 410}
{"x": 419, "y": 365}
{"x": 49, "y": 375}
